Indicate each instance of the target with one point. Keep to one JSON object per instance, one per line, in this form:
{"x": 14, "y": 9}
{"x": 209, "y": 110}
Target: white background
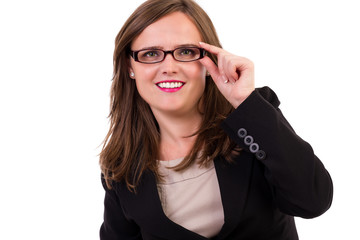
{"x": 56, "y": 70}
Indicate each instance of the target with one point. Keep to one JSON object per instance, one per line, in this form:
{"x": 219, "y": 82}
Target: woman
{"x": 194, "y": 151}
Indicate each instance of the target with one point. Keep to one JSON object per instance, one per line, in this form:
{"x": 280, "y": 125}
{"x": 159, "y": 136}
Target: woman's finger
{"x": 226, "y": 68}
{"x": 211, "y": 48}
{"x": 232, "y": 70}
{"x": 223, "y": 62}
{"x": 210, "y": 67}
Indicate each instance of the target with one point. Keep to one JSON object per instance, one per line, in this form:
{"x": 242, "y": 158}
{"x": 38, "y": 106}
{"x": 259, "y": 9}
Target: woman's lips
{"x": 170, "y": 85}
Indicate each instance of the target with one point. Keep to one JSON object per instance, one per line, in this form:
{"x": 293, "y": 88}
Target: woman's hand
{"x": 234, "y": 75}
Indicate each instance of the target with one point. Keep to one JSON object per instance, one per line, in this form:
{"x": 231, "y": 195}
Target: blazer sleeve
{"x": 116, "y": 225}
{"x": 300, "y": 184}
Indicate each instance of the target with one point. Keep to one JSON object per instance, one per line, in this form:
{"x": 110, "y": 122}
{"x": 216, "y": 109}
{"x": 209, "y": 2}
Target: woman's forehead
{"x": 169, "y": 31}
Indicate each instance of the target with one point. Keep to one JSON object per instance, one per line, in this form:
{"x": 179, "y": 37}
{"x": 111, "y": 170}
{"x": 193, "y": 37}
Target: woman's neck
{"x": 175, "y": 132}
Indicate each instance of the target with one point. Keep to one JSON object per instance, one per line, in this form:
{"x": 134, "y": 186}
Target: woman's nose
{"x": 169, "y": 64}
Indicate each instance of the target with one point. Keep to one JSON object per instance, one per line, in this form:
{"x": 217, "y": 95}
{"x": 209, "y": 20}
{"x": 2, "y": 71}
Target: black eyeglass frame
{"x": 134, "y": 54}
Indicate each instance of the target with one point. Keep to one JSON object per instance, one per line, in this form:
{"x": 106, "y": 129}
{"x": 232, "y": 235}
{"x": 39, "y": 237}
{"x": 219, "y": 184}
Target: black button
{"x": 248, "y": 140}
{"x": 254, "y": 147}
{"x": 242, "y": 132}
{"x": 260, "y": 155}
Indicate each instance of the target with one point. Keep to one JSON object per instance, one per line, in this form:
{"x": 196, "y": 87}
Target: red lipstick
{"x": 170, "y": 85}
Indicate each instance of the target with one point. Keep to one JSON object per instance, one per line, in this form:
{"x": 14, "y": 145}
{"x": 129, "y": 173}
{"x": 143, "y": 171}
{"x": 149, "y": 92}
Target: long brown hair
{"x": 132, "y": 143}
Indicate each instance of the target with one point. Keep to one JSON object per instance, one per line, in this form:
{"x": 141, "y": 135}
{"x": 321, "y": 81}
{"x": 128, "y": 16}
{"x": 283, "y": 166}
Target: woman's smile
{"x": 170, "y": 85}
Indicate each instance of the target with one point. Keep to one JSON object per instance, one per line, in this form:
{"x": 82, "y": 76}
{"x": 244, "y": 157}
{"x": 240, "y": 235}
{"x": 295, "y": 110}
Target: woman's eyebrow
{"x": 162, "y": 48}
{"x": 187, "y": 45}
{"x": 150, "y": 48}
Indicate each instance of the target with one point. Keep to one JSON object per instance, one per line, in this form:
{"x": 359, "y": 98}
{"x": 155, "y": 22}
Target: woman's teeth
{"x": 170, "y": 84}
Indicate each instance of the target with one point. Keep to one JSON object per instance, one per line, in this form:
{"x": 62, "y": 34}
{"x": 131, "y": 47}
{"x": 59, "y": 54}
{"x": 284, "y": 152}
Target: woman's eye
{"x": 186, "y": 52}
{"x": 151, "y": 54}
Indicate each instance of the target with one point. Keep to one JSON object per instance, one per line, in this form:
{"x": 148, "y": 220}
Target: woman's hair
{"x": 132, "y": 143}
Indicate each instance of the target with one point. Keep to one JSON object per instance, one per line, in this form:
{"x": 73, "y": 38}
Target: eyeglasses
{"x": 181, "y": 54}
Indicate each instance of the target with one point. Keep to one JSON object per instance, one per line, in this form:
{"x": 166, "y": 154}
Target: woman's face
{"x": 169, "y": 86}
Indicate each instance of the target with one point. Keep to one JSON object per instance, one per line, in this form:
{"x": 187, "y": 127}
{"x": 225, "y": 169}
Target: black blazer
{"x": 275, "y": 177}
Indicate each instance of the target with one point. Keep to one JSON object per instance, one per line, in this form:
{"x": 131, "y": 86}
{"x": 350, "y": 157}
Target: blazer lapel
{"x": 234, "y": 181}
{"x": 145, "y": 207}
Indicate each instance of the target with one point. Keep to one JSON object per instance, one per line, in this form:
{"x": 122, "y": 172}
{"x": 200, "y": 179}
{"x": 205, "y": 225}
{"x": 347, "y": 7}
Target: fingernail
{"x": 225, "y": 80}
{"x": 201, "y": 43}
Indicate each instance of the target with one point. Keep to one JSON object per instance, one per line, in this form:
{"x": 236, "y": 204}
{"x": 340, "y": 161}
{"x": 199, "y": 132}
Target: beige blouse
{"x": 191, "y": 198}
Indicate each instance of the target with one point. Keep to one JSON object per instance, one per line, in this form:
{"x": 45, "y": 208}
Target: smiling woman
{"x": 194, "y": 151}
{"x": 170, "y": 32}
